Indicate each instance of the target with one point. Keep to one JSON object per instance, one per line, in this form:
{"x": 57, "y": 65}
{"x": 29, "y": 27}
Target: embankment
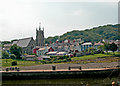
{"x": 60, "y": 74}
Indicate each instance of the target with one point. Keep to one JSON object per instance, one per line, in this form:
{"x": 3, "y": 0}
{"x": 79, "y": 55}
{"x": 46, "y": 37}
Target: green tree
{"x": 13, "y": 56}
{"x": 106, "y": 47}
{"x": 101, "y": 48}
{"x": 16, "y": 50}
{"x": 113, "y": 47}
{"x": 6, "y": 42}
{"x": 4, "y": 54}
{"x": 91, "y": 49}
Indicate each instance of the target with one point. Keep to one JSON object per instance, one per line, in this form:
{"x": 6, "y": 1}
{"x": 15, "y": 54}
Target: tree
{"x": 5, "y": 55}
{"x": 6, "y": 42}
{"x": 113, "y": 47}
{"x": 101, "y": 47}
{"x": 106, "y": 47}
{"x": 16, "y": 50}
{"x": 13, "y": 56}
{"x": 91, "y": 49}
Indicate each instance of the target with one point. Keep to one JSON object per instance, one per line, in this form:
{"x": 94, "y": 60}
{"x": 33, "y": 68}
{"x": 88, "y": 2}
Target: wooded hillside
{"x": 95, "y": 34}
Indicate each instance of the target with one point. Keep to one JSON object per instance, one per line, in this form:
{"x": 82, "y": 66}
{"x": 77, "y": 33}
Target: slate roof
{"x": 24, "y": 42}
{"x": 15, "y": 42}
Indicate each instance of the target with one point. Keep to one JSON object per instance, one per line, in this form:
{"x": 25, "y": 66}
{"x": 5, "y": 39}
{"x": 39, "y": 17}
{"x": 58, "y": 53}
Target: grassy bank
{"x": 96, "y": 58}
{"x": 7, "y": 62}
{"x": 91, "y": 56}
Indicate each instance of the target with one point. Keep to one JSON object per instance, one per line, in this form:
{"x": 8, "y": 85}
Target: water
{"x": 71, "y": 82}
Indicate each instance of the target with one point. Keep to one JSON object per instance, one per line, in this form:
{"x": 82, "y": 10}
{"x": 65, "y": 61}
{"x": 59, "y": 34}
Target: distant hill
{"x": 95, "y": 34}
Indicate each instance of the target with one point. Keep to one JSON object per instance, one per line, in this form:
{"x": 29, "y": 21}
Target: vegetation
{"x": 109, "y": 47}
{"x": 14, "y": 63}
{"x": 113, "y": 47}
{"x": 106, "y": 47}
{"x": 90, "y": 57}
{"x": 13, "y": 56}
{"x": 83, "y": 59}
{"x": 16, "y": 50}
{"x": 8, "y": 62}
{"x": 95, "y": 34}
{"x": 6, "y": 42}
{"x": 5, "y": 55}
{"x": 91, "y": 50}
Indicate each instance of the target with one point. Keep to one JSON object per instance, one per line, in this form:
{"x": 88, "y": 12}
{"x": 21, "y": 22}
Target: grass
{"x": 83, "y": 59}
{"x": 7, "y": 63}
{"x": 96, "y": 58}
{"x": 91, "y": 57}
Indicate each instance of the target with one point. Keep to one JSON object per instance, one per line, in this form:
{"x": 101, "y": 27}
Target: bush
{"x": 92, "y": 53}
{"x": 14, "y": 63}
{"x": 13, "y": 56}
{"x": 43, "y": 61}
{"x": 68, "y": 59}
{"x": 5, "y": 55}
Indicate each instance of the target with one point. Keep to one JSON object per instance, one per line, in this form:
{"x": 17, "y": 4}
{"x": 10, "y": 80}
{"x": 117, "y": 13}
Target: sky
{"x": 20, "y": 18}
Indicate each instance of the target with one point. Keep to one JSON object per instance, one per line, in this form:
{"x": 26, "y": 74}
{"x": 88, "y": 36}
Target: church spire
{"x": 40, "y": 26}
{"x": 43, "y": 29}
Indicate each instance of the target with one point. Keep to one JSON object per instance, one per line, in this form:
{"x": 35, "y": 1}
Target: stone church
{"x": 39, "y": 37}
{"x": 28, "y": 44}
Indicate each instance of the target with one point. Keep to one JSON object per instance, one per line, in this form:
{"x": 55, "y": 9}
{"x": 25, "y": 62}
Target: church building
{"x": 29, "y": 44}
{"x": 40, "y": 36}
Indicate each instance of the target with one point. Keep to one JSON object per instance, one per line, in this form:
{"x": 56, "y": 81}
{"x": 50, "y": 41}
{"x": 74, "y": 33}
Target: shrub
{"x": 14, "y": 63}
{"x": 13, "y": 56}
{"x": 43, "y": 61}
{"x": 68, "y": 59}
{"x": 92, "y": 53}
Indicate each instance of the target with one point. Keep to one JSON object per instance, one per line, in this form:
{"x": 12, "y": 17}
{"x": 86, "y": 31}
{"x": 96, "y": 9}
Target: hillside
{"x": 95, "y": 34}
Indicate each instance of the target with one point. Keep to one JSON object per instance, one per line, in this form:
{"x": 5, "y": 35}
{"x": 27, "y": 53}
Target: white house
{"x": 86, "y": 45}
{"x": 43, "y": 51}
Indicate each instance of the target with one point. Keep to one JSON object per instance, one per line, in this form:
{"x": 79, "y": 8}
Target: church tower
{"x": 40, "y": 36}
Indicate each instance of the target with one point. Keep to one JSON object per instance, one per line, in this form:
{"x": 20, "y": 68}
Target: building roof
{"x": 44, "y": 48}
{"x": 87, "y": 43}
{"x": 98, "y": 43}
{"x": 41, "y": 49}
{"x": 45, "y": 56}
{"x": 30, "y": 56}
{"x": 15, "y": 42}
{"x": 61, "y": 53}
{"x": 54, "y": 52}
{"x": 24, "y": 42}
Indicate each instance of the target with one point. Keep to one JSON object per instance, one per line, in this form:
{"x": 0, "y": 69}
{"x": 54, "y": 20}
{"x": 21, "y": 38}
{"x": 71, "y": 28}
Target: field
{"x": 91, "y": 56}
{"x": 7, "y": 62}
{"x": 96, "y": 58}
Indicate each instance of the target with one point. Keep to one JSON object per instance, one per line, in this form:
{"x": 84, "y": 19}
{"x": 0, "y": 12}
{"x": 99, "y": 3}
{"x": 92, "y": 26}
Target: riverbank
{"x": 60, "y": 74}
{"x": 96, "y": 58}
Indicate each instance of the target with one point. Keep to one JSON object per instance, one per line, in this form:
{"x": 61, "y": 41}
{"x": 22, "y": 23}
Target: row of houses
{"x": 68, "y": 46}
